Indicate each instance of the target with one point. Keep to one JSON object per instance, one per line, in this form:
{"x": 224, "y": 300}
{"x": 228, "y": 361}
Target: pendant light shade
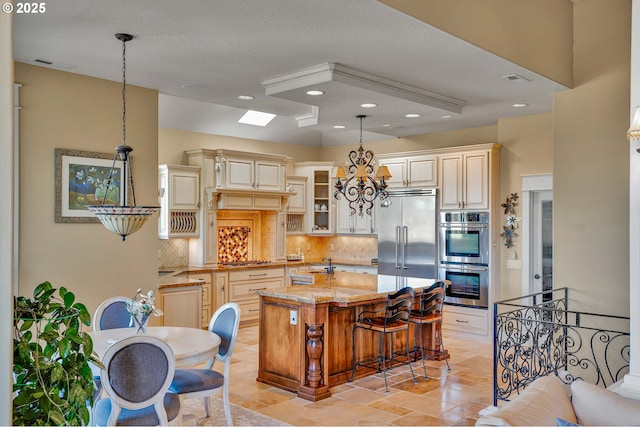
{"x": 123, "y": 220}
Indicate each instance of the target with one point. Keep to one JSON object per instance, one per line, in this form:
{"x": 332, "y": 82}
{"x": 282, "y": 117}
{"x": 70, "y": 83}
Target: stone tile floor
{"x": 446, "y": 398}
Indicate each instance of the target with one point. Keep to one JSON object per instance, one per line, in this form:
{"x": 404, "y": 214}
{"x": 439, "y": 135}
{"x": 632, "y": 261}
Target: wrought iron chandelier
{"x": 361, "y": 186}
{"x": 123, "y": 220}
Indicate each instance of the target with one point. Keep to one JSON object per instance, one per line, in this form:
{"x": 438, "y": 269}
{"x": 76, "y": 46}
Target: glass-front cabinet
{"x": 320, "y": 200}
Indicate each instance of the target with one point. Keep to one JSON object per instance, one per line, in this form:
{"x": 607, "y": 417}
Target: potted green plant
{"x": 53, "y": 380}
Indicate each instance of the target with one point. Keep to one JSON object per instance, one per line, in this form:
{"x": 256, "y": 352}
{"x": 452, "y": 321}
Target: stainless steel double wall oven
{"x": 464, "y": 257}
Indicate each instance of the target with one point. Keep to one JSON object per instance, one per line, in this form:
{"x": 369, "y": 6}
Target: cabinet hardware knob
{"x": 257, "y": 275}
{"x": 257, "y": 289}
{"x": 462, "y": 321}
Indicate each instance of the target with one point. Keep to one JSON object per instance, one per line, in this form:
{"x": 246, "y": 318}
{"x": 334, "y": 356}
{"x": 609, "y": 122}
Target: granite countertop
{"x": 208, "y": 268}
{"x": 345, "y": 288}
{"x": 166, "y": 282}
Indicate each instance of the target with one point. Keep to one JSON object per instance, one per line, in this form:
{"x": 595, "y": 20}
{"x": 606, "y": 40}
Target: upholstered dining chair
{"x": 191, "y": 383}
{"x": 112, "y": 313}
{"x": 429, "y": 313}
{"x": 390, "y": 319}
{"x": 136, "y": 376}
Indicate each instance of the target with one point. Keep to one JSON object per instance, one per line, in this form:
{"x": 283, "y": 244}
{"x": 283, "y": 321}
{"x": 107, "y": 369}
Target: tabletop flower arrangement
{"x": 140, "y": 307}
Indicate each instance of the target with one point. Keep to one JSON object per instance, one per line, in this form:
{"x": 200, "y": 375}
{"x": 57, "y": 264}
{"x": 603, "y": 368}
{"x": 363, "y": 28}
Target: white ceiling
{"x": 200, "y": 55}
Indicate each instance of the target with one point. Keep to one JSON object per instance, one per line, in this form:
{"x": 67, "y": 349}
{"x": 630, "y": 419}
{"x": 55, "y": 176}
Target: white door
{"x": 541, "y": 278}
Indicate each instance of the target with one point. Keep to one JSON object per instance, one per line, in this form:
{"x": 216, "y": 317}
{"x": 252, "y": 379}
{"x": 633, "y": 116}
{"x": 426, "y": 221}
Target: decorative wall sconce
{"x": 512, "y": 221}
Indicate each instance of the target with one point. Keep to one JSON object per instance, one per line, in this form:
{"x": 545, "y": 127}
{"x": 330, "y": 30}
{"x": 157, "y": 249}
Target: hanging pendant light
{"x": 123, "y": 220}
{"x": 361, "y": 186}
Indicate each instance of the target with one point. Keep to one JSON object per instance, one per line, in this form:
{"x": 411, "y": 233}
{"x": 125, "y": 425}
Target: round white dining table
{"x": 190, "y": 346}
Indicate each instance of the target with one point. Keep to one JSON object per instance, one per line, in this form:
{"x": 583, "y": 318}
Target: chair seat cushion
{"x": 191, "y": 380}
{"x": 140, "y": 417}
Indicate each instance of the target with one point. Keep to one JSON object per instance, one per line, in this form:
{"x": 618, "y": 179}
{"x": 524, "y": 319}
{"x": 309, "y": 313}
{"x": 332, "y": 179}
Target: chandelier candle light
{"x": 123, "y": 220}
{"x": 361, "y": 186}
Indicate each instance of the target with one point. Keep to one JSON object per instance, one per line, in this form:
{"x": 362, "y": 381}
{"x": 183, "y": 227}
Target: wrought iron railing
{"x": 537, "y": 334}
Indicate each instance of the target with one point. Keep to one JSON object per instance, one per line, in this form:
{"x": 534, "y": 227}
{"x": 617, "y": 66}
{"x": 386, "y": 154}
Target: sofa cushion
{"x": 594, "y": 405}
{"x": 544, "y": 400}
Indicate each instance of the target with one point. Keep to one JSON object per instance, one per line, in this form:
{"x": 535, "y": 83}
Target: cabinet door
{"x": 220, "y": 284}
{"x": 239, "y": 174}
{"x": 398, "y": 170}
{"x": 183, "y": 307}
{"x": 451, "y": 181}
{"x": 422, "y": 171}
{"x": 184, "y": 190}
{"x": 344, "y": 220}
{"x": 281, "y": 235}
{"x": 268, "y": 176}
{"x": 476, "y": 180}
{"x": 297, "y": 202}
{"x": 322, "y": 202}
{"x": 364, "y": 224}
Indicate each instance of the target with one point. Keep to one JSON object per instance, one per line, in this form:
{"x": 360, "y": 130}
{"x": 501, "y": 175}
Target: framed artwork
{"x": 81, "y": 180}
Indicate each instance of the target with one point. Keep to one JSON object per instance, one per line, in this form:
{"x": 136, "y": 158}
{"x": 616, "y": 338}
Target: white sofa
{"x": 547, "y": 399}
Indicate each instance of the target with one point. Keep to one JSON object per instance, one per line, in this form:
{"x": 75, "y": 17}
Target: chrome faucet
{"x": 330, "y": 269}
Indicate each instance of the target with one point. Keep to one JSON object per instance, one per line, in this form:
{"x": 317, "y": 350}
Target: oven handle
{"x": 449, "y": 225}
{"x": 464, "y": 267}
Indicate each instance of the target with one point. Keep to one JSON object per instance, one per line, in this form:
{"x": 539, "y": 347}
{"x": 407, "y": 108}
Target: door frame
{"x": 530, "y": 185}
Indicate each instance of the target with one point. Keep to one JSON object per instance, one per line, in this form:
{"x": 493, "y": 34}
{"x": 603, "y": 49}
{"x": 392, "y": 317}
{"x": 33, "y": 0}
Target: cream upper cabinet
{"x": 180, "y": 201}
{"x": 297, "y": 200}
{"x": 464, "y": 180}
{"x": 320, "y": 202}
{"x": 346, "y": 223}
{"x": 412, "y": 171}
{"x": 250, "y": 174}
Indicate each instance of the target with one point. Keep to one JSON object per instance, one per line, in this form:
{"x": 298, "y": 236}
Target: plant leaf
{"x": 69, "y": 298}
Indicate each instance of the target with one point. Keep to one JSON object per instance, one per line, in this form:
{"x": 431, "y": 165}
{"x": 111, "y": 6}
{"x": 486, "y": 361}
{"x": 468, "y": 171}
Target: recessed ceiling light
{"x": 386, "y": 125}
{"x": 256, "y": 118}
{"x": 197, "y": 86}
{"x": 315, "y": 92}
{"x": 339, "y": 127}
{"x": 520, "y": 105}
{"x": 446, "y": 116}
{"x": 369, "y": 105}
{"x": 245, "y": 97}
{"x": 412, "y": 115}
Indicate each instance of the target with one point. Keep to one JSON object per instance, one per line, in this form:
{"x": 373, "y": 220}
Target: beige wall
{"x": 479, "y": 135}
{"x": 6, "y": 215}
{"x": 64, "y": 110}
{"x": 527, "y": 149}
{"x": 173, "y": 143}
{"x": 534, "y": 34}
{"x": 591, "y": 161}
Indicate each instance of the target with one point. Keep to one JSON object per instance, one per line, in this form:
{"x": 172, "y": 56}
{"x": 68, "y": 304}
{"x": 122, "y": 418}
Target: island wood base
{"x": 315, "y": 353}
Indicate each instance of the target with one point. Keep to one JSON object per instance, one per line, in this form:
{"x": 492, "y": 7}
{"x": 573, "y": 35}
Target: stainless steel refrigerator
{"x": 407, "y": 231}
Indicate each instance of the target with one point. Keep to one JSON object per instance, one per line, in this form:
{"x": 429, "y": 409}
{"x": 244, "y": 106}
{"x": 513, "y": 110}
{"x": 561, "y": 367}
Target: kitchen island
{"x": 305, "y": 330}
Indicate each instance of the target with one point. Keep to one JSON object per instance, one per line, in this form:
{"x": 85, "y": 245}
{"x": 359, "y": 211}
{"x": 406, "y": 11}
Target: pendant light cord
{"x": 124, "y": 91}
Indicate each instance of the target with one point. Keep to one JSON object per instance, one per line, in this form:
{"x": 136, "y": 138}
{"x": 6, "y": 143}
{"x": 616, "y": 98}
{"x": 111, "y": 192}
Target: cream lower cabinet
{"x": 207, "y": 296}
{"x": 244, "y": 283}
{"x": 464, "y": 321}
{"x": 181, "y": 306}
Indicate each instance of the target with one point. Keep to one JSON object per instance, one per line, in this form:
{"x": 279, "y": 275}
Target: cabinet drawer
{"x": 201, "y": 276}
{"x": 465, "y": 322}
{"x": 249, "y": 310}
{"x": 255, "y": 274}
{"x": 206, "y": 316}
{"x": 247, "y": 290}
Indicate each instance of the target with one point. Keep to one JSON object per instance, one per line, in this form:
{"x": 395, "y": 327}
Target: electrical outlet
{"x": 159, "y": 253}
{"x": 293, "y": 317}
{"x": 514, "y": 264}
{"x": 332, "y": 246}
{"x": 181, "y": 252}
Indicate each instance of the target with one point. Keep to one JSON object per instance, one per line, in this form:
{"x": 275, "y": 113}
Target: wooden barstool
{"x": 429, "y": 313}
{"x": 393, "y": 317}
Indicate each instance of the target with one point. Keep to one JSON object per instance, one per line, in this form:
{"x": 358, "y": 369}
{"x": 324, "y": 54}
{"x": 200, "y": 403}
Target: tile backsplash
{"x": 173, "y": 253}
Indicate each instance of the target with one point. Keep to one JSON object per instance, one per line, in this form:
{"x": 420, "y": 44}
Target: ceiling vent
{"x": 517, "y": 78}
